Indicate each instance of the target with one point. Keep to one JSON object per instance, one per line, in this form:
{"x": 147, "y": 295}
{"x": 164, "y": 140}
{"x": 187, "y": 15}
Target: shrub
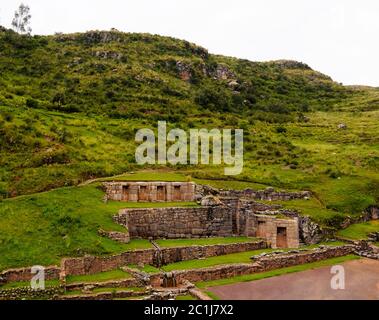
{"x": 31, "y": 103}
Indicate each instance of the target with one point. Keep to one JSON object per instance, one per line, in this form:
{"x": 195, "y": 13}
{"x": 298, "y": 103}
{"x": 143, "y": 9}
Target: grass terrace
{"x": 203, "y": 241}
{"x": 20, "y": 284}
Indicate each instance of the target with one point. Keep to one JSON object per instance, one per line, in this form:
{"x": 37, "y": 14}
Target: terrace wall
{"x": 261, "y": 265}
{"x": 91, "y": 264}
{"x": 25, "y": 274}
{"x": 176, "y": 223}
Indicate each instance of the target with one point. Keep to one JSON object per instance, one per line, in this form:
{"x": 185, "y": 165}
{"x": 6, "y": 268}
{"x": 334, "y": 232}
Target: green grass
{"x": 212, "y": 295}
{"x": 73, "y": 293}
{"x": 12, "y": 285}
{"x": 203, "y": 242}
{"x": 231, "y": 184}
{"x": 242, "y": 257}
{"x": 185, "y": 297}
{"x": 101, "y": 290}
{"x": 99, "y": 277}
{"x": 276, "y": 272}
{"x": 43, "y": 228}
{"x": 314, "y": 209}
{"x": 359, "y": 231}
{"x": 158, "y": 175}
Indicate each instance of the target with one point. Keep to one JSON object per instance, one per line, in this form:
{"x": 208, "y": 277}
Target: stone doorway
{"x": 125, "y": 193}
{"x": 161, "y": 193}
{"x": 281, "y": 237}
{"x": 177, "y": 195}
{"x": 261, "y": 230}
{"x": 143, "y": 194}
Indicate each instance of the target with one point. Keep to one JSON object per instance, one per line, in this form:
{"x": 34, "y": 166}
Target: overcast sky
{"x": 336, "y": 37}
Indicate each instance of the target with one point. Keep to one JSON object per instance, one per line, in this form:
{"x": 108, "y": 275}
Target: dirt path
{"x": 361, "y": 282}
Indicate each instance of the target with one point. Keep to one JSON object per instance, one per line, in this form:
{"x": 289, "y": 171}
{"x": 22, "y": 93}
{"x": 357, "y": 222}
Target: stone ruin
{"x": 232, "y": 213}
{"x": 150, "y": 191}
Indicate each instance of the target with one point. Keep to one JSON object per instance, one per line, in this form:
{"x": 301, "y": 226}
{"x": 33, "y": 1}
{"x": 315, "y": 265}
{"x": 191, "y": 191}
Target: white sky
{"x": 336, "y": 37}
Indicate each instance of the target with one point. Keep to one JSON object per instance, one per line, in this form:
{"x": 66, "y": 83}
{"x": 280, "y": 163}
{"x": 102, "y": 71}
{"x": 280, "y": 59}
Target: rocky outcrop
{"x": 291, "y": 64}
{"x": 211, "y": 201}
{"x": 184, "y": 70}
{"x": 371, "y": 213}
{"x": 122, "y": 237}
{"x": 221, "y": 72}
{"x": 91, "y": 37}
{"x": 108, "y": 55}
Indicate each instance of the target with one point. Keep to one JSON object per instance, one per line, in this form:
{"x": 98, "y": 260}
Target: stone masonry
{"x": 150, "y": 191}
{"x": 209, "y": 221}
{"x": 177, "y": 222}
{"x": 280, "y": 233}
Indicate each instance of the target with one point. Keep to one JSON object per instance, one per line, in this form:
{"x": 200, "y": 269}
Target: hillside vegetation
{"x": 70, "y": 106}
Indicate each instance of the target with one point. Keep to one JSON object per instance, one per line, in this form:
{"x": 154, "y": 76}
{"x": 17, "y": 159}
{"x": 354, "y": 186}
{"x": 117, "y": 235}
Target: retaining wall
{"x": 177, "y": 222}
{"x": 25, "y": 274}
{"x": 261, "y": 265}
{"x": 91, "y": 264}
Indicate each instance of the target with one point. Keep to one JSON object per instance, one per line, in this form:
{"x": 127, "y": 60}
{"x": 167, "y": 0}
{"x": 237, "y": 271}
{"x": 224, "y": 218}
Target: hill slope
{"x": 70, "y": 105}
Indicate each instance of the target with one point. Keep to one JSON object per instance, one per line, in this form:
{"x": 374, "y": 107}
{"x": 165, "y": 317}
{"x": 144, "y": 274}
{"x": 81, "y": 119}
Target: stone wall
{"x": 91, "y": 264}
{"x": 261, "y": 265}
{"x": 171, "y": 255}
{"x": 122, "y": 237}
{"x": 177, "y": 222}
{"x": 149, "y": 191}
{"x": 234, "y": 217}
{"x": 25, "y": 274}
{"x": 29, "y": 293}
{"x": 269, "y": 194}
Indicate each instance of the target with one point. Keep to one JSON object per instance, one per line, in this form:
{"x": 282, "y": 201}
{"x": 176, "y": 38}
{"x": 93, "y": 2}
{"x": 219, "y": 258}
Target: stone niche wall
{"x": 150, "y": 191}
{"x": 177, "y": 222}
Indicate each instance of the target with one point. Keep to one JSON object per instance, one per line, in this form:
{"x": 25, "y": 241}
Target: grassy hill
{"x": 70, "y": 106}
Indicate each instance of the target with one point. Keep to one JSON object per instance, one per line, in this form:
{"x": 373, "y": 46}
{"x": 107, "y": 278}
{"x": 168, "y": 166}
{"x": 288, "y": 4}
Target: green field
{"x": 359, "y": 231}
{"x": 202, "y": 242}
